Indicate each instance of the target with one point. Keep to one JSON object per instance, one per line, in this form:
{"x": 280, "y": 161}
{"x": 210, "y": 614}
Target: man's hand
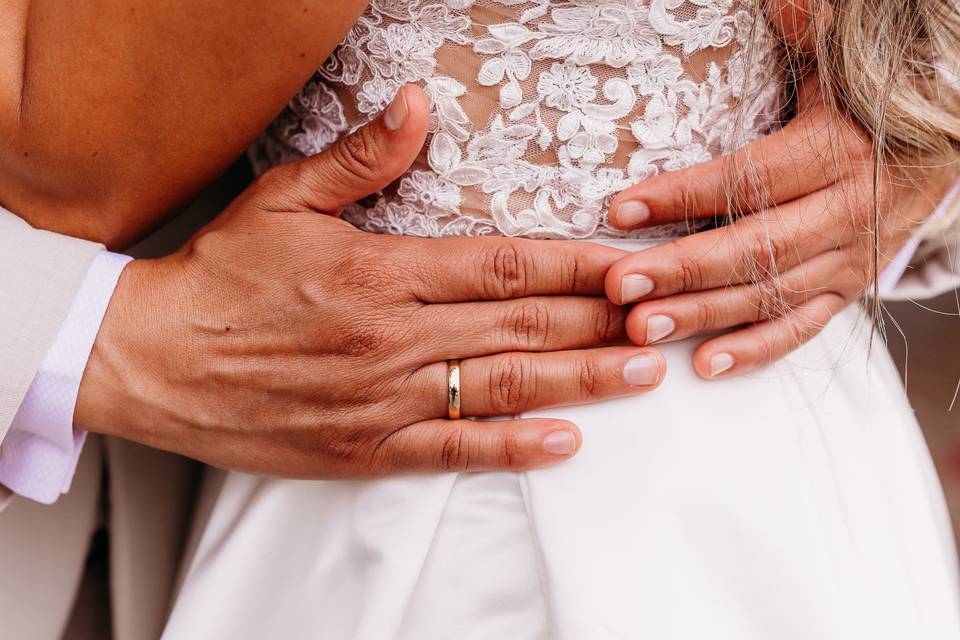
{"x": 286, "y": 342}
{"x": 801, "y": 250}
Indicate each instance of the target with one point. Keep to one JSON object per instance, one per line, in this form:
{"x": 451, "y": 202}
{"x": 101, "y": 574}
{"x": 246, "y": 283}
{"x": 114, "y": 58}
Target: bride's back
{"x": 542, "y": 109}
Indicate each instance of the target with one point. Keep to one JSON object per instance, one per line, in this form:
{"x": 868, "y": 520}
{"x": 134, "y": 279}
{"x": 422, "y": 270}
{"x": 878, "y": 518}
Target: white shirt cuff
{"x": 41, "y": 449}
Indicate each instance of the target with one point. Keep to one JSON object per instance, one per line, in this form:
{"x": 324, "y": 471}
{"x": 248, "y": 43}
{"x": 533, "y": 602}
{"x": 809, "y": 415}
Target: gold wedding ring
{"x": 453, "y": 389}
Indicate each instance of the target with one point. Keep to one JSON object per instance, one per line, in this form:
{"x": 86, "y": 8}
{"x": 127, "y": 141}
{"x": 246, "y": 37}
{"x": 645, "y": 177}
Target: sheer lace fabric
{"x": 541, "y": 110}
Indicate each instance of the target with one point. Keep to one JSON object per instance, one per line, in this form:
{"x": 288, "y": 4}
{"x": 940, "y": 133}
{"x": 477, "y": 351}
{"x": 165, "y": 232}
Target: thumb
{"x": 365, "y": 161}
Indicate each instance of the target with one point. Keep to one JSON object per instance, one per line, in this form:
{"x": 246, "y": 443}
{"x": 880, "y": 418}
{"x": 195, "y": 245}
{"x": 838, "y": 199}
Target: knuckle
{"x": 512, "y": 385}
{"x": 690, "y": 274}
{"x": 771, "y": 301}
{"x": 573, "y": 269}
{"x": 453, "y": 454}
{"x": 768, "y": 254}
{"x": 779, "y": 248}
{"x": 461, "y": 450}
{"x": 528, "y": 325}
{"x": 363, "y": 340}
{"x": 609, "y": 322}
{"x": 509, "y": 451}
{"x": 706, "y": 315}
{"x": 362, "y": 273}
{"x": 682, "y": 200}
{"x": 359, "y": 154}
{"x": 590, "y": 378}
{"x": 752, "y": 185}
{"x": 506, "y": 271}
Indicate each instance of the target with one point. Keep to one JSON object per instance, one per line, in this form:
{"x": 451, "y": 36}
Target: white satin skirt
{"x": 797, "y": 503}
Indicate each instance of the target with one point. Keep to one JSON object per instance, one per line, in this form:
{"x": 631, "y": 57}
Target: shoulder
{"x": 14, "y": 15}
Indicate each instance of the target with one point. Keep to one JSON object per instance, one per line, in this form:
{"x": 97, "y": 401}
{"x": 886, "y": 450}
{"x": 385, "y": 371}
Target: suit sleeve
{"x": 40, "y": 274}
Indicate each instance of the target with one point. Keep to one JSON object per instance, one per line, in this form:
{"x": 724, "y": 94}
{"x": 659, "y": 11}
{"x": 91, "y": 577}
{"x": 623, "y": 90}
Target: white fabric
{"x": 41, "y": 449}
{"x": 541, "y": 110}
{"x": 798, "y": 503}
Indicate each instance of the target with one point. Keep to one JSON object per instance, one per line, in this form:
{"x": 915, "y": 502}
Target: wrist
{"x": 120, "y": 373}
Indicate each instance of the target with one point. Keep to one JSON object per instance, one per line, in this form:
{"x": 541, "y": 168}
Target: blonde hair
{"x": 892, "y": 66}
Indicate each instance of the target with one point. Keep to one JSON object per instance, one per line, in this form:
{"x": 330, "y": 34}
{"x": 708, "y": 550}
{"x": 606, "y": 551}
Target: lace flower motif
{"x": 614, "y": 33}
{"x": 430, "y": 193}
{"x": 402, "y": 53}
{"x": 314, "y": 120}
{"x": 376, "y": 95}
{"x": 567, "y": 87}
{"x": 541, "y": 110}
{"x": 652, "y": 75}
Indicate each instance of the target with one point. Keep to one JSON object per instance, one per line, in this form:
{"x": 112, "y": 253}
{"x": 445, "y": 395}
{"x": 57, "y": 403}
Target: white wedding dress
{"x": 797, "y": 503}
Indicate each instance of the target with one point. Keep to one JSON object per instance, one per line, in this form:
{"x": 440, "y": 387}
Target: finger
{"x": 512, "y": 383}
{"x": 470, "y": 445}
{"x": 464, "y": 269}
{"x": 689, "y": 314}
{"x": 799, "y": 159}
{"x": 761, "y": 344}
{"x": 361, "y": 163}
{"x": 546, "y": 323}
{"x": 751, "y": 249}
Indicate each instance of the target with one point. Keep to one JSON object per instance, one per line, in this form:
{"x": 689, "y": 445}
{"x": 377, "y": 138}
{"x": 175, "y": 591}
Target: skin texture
{"x": 283, "y": 341}
{"x": 113, "y": 113}
{"x": 800, "y": 251}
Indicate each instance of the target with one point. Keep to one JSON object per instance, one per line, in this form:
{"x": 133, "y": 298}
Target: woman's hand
{"x": 801, "y": 250}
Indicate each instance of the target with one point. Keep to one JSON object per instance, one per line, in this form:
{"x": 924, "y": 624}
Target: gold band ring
{"x": 453, "y": 389}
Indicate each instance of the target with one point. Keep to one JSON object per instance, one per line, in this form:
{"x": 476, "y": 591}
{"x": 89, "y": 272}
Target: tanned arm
{"x": 114, "y": 112}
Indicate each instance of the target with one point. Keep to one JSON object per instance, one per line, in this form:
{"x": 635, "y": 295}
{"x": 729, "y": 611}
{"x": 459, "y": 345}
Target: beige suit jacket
{"x": 41, "y": 274}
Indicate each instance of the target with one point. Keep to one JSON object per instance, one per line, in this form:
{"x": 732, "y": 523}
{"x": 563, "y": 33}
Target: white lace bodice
{"x": 541, "y": 109}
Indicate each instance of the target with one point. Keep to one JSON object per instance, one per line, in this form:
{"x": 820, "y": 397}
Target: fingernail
{"x": 721, "y": 363}
{"x": 659, "y": 327}
{"x": 632, "y": 213}
{"x": 396, "y": 114}
{"x": 642, "y": 371}
{"x": 634, "y": 286}
{"x": 560, "y": 443}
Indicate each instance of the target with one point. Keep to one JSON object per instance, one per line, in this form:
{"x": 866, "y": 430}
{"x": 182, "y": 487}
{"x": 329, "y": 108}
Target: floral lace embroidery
{"x": 541, "y": 109}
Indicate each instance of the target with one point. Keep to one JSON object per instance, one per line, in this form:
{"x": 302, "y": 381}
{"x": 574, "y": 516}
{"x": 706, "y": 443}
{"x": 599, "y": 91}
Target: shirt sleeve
{"x": 41, "y": 450}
